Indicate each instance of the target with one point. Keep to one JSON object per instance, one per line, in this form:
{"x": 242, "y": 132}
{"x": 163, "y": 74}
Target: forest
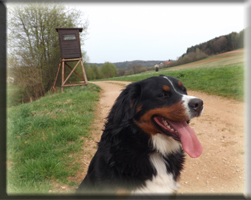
{"x": 220, "y": 44}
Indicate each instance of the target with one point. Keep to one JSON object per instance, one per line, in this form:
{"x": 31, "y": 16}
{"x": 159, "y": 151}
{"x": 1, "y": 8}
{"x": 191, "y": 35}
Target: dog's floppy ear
{"x": 124, "y": 107}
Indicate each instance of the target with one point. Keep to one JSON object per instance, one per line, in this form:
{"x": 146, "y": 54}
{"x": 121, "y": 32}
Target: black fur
{"x": 122, "y": 158}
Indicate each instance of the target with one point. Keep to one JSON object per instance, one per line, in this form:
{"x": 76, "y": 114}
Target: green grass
{"x": 43, "y": 134}
{"x": 226, "y": 81}
{"x": 14, "y": 95}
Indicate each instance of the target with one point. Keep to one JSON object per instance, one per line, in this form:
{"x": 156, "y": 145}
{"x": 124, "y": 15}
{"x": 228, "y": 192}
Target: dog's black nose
{"x": 196, "y": 104}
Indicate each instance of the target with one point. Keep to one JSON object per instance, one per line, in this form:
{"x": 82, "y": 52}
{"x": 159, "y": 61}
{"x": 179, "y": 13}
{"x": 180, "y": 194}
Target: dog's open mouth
{"x": 182, "y": 132}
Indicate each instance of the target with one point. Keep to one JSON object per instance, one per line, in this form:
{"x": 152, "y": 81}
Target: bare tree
{"x": 220, "y": 44}
{"x": 121, "y": 71}
{"x": 33, "y": 42}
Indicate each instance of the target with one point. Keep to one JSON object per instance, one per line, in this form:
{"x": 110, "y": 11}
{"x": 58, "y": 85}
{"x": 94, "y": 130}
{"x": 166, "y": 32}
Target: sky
{"x": 120, "y": 32}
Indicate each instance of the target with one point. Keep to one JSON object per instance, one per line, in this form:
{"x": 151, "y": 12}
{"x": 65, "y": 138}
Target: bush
{"x": 108, "y": 70}
{"x": 189, "y": 57}
{"x": 93, "y": 72}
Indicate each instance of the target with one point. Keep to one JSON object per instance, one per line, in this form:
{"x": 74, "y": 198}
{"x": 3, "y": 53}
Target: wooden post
{"x": 71, "y": 72}
{"x": 54, "y": 89}
{"x": 63, "y": 73}
{"x": 75, "y": 72}
{"x": 83, "y": 70}
{"x": 62, "y": 65}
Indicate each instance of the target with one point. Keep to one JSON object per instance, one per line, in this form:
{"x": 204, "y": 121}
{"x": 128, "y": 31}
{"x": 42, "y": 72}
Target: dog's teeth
{"x": 165, "y": 123}
{"x": 168, "y": 125}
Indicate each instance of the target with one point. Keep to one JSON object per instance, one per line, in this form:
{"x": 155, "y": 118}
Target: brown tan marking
{"x": 176, "y": 112}
{"x": 180, "y": 83}
{"x": 132, "y": 103}
{"x": 166, "y": 88}
{"x": 138, "y": 108}
{"x": 148, "y": 127}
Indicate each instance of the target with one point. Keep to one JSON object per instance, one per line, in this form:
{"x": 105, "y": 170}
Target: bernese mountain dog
{"x": 141, "y": 150}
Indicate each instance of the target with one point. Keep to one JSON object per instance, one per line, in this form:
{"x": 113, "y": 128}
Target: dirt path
{"x": 220, "y": 168}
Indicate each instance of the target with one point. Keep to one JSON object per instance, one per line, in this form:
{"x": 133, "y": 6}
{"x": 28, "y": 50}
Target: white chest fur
{"x": 162, "y": 183}
{"x": 164, "y": 144}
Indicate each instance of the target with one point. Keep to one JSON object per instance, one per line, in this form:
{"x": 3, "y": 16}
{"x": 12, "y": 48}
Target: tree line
{"x": 220, "y": 44}
{"x": 107, "y": 70}
{"x": 214, "y": 46}
{"x": 125, "y": 64}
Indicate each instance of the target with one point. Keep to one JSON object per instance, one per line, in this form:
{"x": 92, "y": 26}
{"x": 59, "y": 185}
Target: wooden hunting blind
{"x": 69, "y": 42}
{"x": 70, "y": 52}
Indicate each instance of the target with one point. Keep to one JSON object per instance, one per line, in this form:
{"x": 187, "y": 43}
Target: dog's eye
{"x": 184, "y": 89}
{"x": 163, "y": 94}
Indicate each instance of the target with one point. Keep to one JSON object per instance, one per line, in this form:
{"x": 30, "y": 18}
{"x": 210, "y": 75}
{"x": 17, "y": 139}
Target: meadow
{"x": 225, "y": 81}
{"x": 44, "y": 136}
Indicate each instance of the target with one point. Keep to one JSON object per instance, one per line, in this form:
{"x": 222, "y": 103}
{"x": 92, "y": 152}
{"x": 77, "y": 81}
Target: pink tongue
{"x": 189, "y": 140}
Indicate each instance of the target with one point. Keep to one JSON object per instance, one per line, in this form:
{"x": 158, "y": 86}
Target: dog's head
{"x": 160, "y": 105}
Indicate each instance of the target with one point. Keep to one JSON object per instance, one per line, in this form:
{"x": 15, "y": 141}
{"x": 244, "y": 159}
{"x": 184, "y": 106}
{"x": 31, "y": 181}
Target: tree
{"x": 96, "y": 70}
{"x": 137, "y": 68}
{"x": 108, "y": 70}
{"x": 219, "y": 45}
{"x": 121, "y": 72}
{"x": 34, "y": 45}
{"x": 240, "y": 40}
{"x": 93, "y": 72}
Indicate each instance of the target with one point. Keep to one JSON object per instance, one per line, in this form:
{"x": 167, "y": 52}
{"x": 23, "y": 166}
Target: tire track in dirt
{"x": 220, "y": 168}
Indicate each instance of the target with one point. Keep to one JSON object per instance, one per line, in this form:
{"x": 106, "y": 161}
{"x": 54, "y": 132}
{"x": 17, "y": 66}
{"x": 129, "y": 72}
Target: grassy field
{"x": 44, "y": 138}
{"x": 221, "y": 75}
{"x": 224, "y": 81}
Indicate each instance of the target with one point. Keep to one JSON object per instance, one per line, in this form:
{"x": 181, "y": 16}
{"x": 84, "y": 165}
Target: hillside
{"x": 44, "y": 139}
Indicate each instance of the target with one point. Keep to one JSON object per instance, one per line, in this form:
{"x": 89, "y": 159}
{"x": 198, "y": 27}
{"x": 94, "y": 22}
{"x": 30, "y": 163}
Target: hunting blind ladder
{"x": 70, "y": 52}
